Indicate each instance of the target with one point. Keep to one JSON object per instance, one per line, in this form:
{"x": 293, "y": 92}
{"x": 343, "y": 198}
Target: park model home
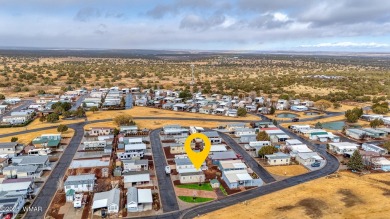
{"x": 214, "y": 137}
{"x": 175, "y": 130}
{"x": 374, "y": 148}
{"x": 10, "y": 149}
{"x": 134, "y": 147}
{"x": 17, "y": 187}
{"x": 139, "y": 200}
{"x": 108, "y": 200}
{"x": 11, "y": 205}
{"x": 98, "y": 131}
{"x": 47, "y": 140}
{"x": 343, "y": 147}
{"x": 240, "y": 178}
{"x": 80, "y": 183}
{"x": 278, "y": 158}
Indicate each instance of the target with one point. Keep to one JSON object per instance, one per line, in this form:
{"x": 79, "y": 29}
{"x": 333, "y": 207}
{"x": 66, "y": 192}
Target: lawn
{"x": 349, "y": 196}
{"x": 223, "y": 190}
{"x": 191, "y": 199}
{"x": 204, "y": 186}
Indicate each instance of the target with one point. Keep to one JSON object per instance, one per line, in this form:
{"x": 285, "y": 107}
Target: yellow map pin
{"x": 197, "y": 158}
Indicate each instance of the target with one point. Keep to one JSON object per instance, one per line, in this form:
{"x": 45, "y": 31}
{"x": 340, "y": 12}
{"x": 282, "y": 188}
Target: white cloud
{"x": 281, "y": 17}
{"x": 347, "y": 44}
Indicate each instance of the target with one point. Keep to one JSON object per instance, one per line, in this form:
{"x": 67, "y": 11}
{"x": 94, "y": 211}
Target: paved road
{"x": 327, "y": 115}
{"x": 50, "y": 187}
{"x": 78, "y": 102}
{"x": 135, "y": 118}
{"x": 330, "y": 167}
{"x": 249, "y": 160}
{"x": 167, "y": 192}
{"x": 129, "y": 101}
{"x": 24, "y": 104}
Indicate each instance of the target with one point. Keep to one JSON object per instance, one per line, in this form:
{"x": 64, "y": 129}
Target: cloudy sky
{"x": 326, "y": 25}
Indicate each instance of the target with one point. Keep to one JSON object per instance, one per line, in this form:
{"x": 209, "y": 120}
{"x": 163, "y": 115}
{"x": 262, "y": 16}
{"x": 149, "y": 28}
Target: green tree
{"x": 62, "y": 128}
{"x": 66, "y": 114}
{"x": 123, "y": 120}
{"x": 94, "y": 109}
{"x": 53, "y": 117}
{"x": 116, "y": 131}
{"x": 80, "y": 112}
{"x": 42, "y": 118}
{"x": 354, "y": 114}
{"x": 59, "y": 110}
{"x": 267, "y": 150}
{"x": 323, "y": 104}
{"x": 14, "y": 139}
{"x": 386, "y": 145}
{"x": 241, "y": 112}
{"x": 123, "y": 102}
{"x": 262, "y": 136}
{"x": 272, "y": 110}
{"x": 318, "y": 125}
{"x": 356, "y": 161}
{"x": 376, "y": 122}
{"x": 185, "y": 94}
{"x": 336, "y": 105}
{"x": 2, "y": 97}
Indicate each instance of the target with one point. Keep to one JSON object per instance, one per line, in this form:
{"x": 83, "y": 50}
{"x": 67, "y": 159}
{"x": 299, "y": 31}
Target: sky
{"x": 259, "y": 25}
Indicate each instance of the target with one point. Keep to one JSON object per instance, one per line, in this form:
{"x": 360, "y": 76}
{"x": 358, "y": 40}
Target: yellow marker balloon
{"x": 197, "y": 158}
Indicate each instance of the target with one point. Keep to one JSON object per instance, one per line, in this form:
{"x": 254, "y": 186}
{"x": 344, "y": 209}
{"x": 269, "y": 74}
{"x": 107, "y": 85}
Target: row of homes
{"x": 366, "y": 133}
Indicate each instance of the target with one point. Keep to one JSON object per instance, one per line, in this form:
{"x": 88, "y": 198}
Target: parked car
{"x": 316, "y": 164}
{"x": 167, "y": 170}
{"x": 295, "y": 119}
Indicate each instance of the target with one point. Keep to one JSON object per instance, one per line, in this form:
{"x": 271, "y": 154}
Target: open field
{"x": 27, "y": 138}
{"x": 37, "y": 124}
{"x": 301, "y": 89}
{"x": 287, "y": 170}
{"x": 155, "y": 123}
{"x": 350, "y": 196}
{"x": 152, "y": 112}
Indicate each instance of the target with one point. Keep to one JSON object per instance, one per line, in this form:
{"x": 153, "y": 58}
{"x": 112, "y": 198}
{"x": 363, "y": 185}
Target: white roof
{"x": 187, "y": 170}
{"x": 293, "y": 141}
{"x": 144, "y": 177}
{"x": 381, "y": 161}
{"x": 217, "y": 148}
{"x": 301, "y": 148}
{"x": 244, "y": 176}
{"x": 236, "y": 175}
{"x": 237, "y": 164}
{"x": 88, "y": 163}
{"x": 99, "y": 203}
{"x": 308, "y": 155}
{"x": 134, "y": 140}
{"x": 145, "y": 196}
{"x": 344, "y": 145}
{"x": 15, "y": 186}
{"x": 135, "y": 146}
{"x": 282, "y": 136}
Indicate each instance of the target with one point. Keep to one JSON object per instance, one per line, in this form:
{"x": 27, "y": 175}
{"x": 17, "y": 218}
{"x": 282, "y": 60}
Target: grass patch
{"x": 191, "y": 199}
{"x": 204, "y": 186}
{"x": 223, "y": 190}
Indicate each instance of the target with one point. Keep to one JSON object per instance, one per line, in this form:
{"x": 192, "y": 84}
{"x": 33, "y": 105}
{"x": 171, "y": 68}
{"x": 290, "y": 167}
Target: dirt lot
{"x": 27, "y": 138}
{"x": 350, "y": 196}
{"x": 287, "y": 170}
{"x": 152, "y": 112}
{"x": 153, "y": 124}
{"x": 37, "y": 124}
